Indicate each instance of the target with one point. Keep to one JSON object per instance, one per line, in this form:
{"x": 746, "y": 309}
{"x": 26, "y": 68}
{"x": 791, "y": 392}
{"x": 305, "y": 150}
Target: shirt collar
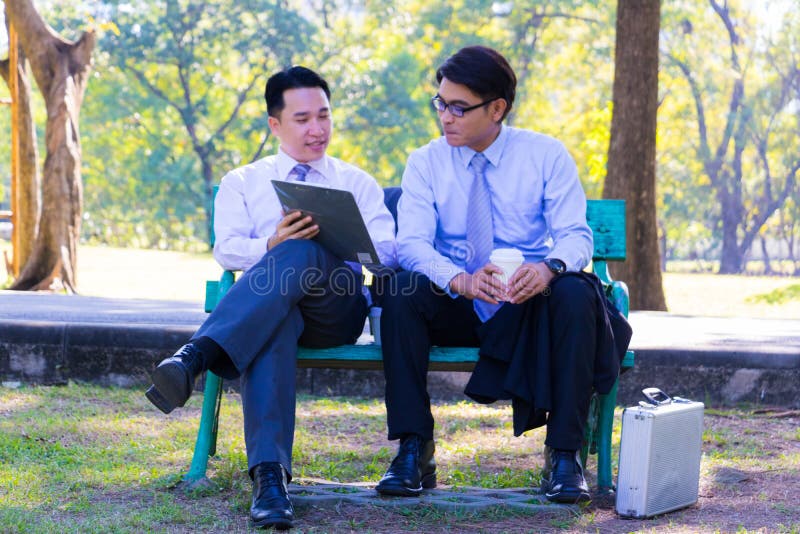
{"x": 286, "y": 164}
{"x": 493, "y": 153}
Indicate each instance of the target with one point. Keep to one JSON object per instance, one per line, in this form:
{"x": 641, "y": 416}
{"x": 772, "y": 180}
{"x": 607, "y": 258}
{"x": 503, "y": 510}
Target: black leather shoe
{"x": 271, "y": 505}
{"x": 565, "y": 483}
{"x": 412, "y": 469}
{"x": 174, "y": 378}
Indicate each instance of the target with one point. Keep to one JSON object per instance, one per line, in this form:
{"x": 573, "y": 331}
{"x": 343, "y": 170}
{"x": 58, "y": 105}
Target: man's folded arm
{"x": 235, "y": 248}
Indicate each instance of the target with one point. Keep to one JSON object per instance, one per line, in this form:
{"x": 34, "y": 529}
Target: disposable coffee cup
{"x": 375, "y": 324}
{"x": 508, "y": 259}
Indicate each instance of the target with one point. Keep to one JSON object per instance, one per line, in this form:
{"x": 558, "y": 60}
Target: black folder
{"x": 341, "y": 227}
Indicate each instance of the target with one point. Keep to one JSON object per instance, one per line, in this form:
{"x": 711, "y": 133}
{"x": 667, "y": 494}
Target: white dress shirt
{"x": 538, "y": 204}
{"x": 247, "y": 210}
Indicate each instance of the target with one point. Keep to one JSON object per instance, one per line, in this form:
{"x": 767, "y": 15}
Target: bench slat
{"x": 367, "y": 355}
{"x": 607, "y": 221}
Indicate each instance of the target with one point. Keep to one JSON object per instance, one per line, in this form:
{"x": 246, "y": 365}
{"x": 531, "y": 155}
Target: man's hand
{"x": 529, "y": 280}
{"x": 481, "y": 285}
{"x": 293, "y": 226}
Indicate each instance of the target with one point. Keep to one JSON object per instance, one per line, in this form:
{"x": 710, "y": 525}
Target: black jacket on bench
{"x": 517, "y": 367}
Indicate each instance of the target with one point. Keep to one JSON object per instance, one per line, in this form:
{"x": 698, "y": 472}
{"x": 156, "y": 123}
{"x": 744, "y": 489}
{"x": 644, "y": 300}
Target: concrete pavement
{"x": 46, "y": 338}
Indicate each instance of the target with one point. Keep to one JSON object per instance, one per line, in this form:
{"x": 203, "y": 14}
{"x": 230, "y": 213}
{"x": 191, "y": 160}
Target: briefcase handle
{"x": 656, "y": 397}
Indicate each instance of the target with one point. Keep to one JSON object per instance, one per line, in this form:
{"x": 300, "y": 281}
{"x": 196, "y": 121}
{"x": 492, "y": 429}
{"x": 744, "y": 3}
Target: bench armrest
{"x": 215, "y": 290}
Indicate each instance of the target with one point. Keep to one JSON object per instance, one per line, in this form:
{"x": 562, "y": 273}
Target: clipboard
{"x": 341, "y": 227}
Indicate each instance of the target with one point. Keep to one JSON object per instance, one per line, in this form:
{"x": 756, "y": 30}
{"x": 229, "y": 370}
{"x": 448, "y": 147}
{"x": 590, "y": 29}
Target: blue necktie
{"x": 301, "y": 170}
{"x": 480, "y": 230}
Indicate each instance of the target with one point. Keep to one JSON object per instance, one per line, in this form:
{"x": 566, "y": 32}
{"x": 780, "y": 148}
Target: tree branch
{"x": 762, "y": 215}
{"x": 559, "y": 14}
{"x": 185, "y": 117}
{"x": 187, "y": 114}
{"x": 39, "y": 41}
{"x": 705, "y": 150}
{"x": 240, "y": 99}
{"x": 4, "y": 70}
{"x": 31, "y": 28}
{"x": 187, "y": 91}
{"x": 738, "y": 86}
{"x": 150, "y": 87}
{"x": 725, "y": 15}
{"x": 733, "y": 111}
{"x": 81, "y": 50}
{"x": 261, "y": 146}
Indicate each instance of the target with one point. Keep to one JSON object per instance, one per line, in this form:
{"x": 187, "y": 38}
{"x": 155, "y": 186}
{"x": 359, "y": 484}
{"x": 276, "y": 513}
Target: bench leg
{"x": 605, "y": 427}
{"x": 206, "y": 444}
{"x": 590, "y": 434}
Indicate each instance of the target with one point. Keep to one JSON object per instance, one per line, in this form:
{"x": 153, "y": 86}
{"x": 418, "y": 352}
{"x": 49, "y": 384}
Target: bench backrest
{"x": 606, "y": 218}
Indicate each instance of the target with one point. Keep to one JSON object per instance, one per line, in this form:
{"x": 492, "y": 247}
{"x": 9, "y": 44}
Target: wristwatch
{"x": 555, "y": 265}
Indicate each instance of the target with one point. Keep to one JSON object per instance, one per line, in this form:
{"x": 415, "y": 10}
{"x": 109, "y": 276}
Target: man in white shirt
{"x": 293, "y": 291}
{"x": 543, "y": 337}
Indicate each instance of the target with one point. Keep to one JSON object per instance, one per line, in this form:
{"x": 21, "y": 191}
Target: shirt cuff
{"x": 444, "y": 275}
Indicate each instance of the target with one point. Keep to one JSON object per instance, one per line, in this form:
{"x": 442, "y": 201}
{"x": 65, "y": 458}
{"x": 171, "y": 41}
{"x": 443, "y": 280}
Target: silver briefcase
{"x": 659, "y": 455}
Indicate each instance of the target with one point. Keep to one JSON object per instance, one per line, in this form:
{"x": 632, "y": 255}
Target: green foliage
{"x": 177, "y": 92}
{"x": 778, "y": 296}
{"x": 697, "y": 170}
{"x": 175, "y": 99}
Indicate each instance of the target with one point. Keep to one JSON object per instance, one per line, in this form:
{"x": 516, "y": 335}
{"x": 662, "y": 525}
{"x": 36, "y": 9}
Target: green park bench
{"x": 607, "y": 220}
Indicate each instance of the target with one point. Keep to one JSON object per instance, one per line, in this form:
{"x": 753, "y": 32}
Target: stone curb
{"x": 124, "y": 354}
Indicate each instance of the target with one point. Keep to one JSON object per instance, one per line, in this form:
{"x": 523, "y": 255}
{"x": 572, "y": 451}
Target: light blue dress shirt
{"x": 247, "y": 210}
{"x": 538, "y": 204}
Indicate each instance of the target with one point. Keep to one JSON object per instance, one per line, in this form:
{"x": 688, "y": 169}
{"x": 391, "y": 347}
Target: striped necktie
{"x": 480, "y": 229}
{"x": 301, "y": 170}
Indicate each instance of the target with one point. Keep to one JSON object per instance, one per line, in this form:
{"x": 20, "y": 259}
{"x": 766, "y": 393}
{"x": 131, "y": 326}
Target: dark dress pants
{"x": 416, "y": 315}
{"x": 297, "y": 294}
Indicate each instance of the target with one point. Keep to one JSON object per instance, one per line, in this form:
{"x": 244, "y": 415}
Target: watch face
{"x": 555, "y": 265}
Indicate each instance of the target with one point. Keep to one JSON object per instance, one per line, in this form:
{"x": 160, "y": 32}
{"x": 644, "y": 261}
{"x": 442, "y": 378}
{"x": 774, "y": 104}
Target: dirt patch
{"x": 750, "y": 480}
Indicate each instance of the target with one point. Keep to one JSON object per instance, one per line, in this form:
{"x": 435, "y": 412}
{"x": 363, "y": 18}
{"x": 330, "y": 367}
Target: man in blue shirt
{"x": 484, "y": 186}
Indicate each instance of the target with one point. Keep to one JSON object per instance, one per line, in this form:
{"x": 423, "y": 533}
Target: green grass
{"x": 81, "y": 458}
{"x": 94, "y": 457}
{"x": 778, "y": 296}
{"x": 103, "y": 460}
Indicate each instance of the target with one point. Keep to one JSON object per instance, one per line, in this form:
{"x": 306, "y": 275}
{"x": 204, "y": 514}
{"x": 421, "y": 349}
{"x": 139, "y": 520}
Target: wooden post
{"x": 15, "y": 161}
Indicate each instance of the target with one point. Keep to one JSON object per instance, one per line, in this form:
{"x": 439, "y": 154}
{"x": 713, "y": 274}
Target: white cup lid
{"x": 506, "y": 254}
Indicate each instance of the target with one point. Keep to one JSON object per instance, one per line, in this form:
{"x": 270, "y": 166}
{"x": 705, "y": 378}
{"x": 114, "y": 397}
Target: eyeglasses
{"x": 456, "y": 110}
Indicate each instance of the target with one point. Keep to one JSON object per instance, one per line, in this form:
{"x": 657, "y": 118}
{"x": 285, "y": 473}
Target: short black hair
{"x": 484, "y": 71}
{"x": 292, "y": 78}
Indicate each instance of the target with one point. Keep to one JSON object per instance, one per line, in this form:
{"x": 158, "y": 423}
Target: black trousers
{"x": 297, "y": 294}
{"x": 417, "y": 314}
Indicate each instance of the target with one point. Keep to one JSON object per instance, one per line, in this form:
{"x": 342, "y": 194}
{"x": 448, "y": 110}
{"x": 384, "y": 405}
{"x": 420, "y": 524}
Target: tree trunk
{"x": 730, "y": 261}
{"x": 27, "y": 218}
{"x": 61, "y": 70}
{"x": 632, "y": 149}
{"x": 208, "y": 188}
{"x": 734, "y": 215}
{"x": 765, "y": 257}
{"x": 787, "y": 230}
